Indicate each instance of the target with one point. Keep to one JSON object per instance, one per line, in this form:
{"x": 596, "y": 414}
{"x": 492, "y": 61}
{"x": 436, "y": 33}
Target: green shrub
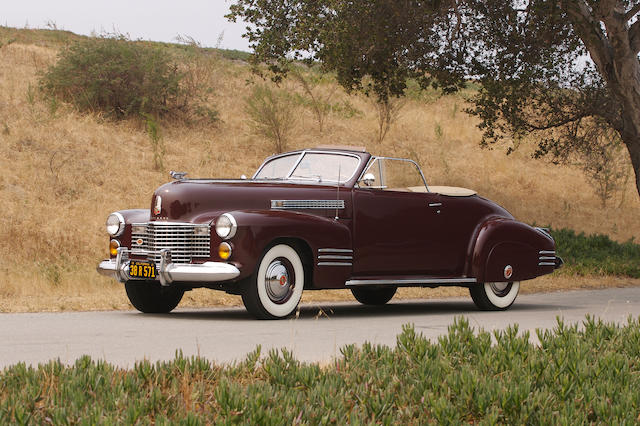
{"x": 576, "y": 375}
{"x": 116, "y": 76}
{"x": 272, "y": 114}
{"x": 596, "y": 254}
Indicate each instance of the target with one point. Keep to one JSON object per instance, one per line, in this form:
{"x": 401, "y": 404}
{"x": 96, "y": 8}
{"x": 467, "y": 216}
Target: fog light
{"x": 114, "y": 245}
{"x": 224, "y": 251}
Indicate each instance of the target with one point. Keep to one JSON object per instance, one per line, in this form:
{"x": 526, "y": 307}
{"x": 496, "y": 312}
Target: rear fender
{"x": 503, "y": 243}
{"x": 259, "y": 230}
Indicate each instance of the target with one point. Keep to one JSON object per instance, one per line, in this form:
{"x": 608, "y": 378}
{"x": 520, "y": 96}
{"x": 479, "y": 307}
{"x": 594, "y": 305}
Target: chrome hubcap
{"x": 279, "y": 280}
{"x": 500, "y": 289}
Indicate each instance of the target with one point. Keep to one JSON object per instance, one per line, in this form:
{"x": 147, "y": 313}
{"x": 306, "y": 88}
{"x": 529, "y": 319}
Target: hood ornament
{"x": 177, "y": 175}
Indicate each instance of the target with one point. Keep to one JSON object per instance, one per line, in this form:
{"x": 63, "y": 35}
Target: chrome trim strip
{"x": 544, "y": 231}
{"x": 551, "y": 252}
{"x": 306, "y": 204}
{"x": 166, "y": 223}
{"x": 334, "y": 257}
{"x": 326, "y": 250}
{"x": 412, "y": 281}
{"x": 547, "y": 258}
{"x": 547, "y": 264}
{"x": 334, "y": 264}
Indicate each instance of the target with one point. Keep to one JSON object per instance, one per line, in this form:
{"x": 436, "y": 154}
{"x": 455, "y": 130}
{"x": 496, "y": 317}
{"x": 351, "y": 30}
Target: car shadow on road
{"x": 328, "y": 310}
{"x": 409, "y": 308}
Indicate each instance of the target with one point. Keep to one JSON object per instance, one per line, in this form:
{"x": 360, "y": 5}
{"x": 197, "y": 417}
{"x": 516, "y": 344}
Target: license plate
{"x": 142, "y": 269}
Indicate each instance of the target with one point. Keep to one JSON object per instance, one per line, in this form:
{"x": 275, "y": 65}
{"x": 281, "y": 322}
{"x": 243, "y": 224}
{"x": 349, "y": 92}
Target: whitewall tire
{"x": 494, "y": 296}
{"x": 275, "y": 290}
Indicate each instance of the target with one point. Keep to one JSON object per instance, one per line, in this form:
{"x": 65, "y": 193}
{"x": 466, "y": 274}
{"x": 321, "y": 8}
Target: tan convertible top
{"x": 451, "y": 191}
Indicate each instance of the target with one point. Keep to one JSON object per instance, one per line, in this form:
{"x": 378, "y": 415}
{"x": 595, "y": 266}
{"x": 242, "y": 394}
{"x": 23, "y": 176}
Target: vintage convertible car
{"x": 324, "y": 218}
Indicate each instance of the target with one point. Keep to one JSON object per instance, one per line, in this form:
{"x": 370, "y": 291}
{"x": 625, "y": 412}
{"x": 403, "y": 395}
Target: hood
{"x": 200, "y": 201}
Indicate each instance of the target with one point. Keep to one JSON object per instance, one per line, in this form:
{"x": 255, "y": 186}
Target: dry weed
{"x": 64, "y": 172}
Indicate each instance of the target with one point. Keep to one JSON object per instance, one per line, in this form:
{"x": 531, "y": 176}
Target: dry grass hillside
{"x": 63, "y": 172}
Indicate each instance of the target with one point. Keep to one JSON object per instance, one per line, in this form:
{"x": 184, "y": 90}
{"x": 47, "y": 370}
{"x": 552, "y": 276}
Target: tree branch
{"x": 634, "y": 37}
{"x": 589, "y": 31}
{"x": 631, "y": 13}
{"x": 553, "y": 124}
{"x": 604, "y": 8}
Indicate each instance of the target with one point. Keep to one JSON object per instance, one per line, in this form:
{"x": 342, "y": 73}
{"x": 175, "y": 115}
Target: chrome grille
{"x": 185, "y": 240}
{"x": 307, "y": 204}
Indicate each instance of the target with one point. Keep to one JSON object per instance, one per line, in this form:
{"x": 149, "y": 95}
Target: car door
{"x": 399, "y": 228}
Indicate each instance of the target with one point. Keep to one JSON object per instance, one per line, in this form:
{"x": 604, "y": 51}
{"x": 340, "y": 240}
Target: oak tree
{"x": 563, "y": 71}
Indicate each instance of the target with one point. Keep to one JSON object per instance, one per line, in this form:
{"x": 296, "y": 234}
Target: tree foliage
{"x": 559, "y": 70}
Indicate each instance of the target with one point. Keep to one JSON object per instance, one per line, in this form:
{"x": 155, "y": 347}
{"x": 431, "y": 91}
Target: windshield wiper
{"x": 317, "y": 178}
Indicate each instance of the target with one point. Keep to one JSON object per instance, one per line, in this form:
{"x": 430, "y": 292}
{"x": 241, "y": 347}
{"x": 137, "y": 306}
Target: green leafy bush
{"x": 596, "y": 254}
{"x": 116, "y": 76}
{"x": 272, "y": 114}
{"x": 576, "y": 375}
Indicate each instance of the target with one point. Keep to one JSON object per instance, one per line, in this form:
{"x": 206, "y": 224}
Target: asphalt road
{"x": 228, "y": 334}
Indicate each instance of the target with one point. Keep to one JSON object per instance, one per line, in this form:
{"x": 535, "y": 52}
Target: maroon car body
{"x": 332, "y": 229}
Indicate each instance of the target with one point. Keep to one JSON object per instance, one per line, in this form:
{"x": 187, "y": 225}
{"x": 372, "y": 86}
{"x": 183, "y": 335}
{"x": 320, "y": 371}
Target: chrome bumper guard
{"x": 168, "y": 271}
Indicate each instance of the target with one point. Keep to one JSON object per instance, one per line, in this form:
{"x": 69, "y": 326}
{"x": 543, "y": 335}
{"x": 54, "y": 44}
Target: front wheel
{"x": 494, "y": 296}
{"x": 373, "y": 295}
{"x": 275, "y": 289}
{"x": 152, "y": 298}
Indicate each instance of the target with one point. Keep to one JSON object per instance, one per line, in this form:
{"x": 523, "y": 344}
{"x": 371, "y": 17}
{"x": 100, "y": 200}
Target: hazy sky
{"x": 158, "y": 20}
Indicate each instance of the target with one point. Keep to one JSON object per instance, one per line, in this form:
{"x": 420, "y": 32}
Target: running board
{"x": 410, "y": 282}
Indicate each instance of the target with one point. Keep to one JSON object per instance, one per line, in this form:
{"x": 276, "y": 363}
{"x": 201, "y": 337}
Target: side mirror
{"x": 243, "y": 177}
{"x": 368, "y": 179}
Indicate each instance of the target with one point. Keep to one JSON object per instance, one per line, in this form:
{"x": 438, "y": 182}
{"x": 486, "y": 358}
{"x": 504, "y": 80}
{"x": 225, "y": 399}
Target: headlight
{"x": 226, "y": 226}
{"x": 115, "y": 224}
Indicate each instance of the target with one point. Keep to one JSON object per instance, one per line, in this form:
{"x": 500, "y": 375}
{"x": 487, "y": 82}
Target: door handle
{"x": 435, "y": 204}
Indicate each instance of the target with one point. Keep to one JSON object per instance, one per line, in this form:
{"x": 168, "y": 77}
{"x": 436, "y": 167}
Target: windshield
{"x": 278, "y": 168}
{"x": 312, "y": 166}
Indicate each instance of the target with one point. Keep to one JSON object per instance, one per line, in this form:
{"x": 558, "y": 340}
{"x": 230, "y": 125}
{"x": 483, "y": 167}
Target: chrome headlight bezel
{"x": 115, "y": 224}
{"x": 226, "y": 226}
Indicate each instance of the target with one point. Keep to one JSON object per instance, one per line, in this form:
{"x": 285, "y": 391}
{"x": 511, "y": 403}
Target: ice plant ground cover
{"x": 586, "y": 373}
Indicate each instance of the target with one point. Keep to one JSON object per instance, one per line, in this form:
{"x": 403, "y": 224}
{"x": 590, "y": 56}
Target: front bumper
{"x": 169, "y": 272}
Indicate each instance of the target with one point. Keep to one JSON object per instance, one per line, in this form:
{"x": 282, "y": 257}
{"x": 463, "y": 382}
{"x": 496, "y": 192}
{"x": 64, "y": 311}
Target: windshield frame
{"x": 301, "y": 155}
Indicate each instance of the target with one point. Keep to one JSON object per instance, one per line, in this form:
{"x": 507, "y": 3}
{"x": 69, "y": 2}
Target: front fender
{"x": 505, "y": 242}
{"x": 260, "y": 229}
{"x": 131, "y": 216}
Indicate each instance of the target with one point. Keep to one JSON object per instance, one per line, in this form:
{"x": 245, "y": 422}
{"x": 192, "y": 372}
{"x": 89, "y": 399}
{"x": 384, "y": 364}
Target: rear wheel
{"x": 494, "y": 296}
{"x": 275, "y": 289}
{"x": 373, "y": 295}
{"x": 152, "y": 298}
